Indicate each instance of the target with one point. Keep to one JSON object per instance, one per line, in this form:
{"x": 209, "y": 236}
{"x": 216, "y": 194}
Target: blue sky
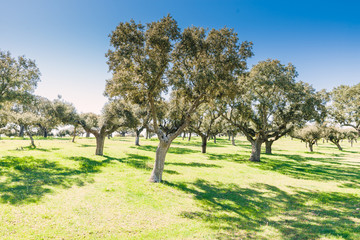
{"x": 69, "y": 38}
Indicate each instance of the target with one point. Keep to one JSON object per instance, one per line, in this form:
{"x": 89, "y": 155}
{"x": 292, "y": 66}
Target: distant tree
{"x": 18, "y": 77}
{"x": 114, "y": 116}
{"x": 141, "y": 113}
{"x": 351, "y": 135}
{"x": 273, "y": 105}
{"x": 335, "y": 135}
{"x": 204, "y": 66}
{"x": 345, "y": 107}
{"x": 308, "y": 134}
{"x": 205, "y": 124}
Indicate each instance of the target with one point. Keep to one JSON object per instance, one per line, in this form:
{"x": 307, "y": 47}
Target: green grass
{"x": 61, "y": 190}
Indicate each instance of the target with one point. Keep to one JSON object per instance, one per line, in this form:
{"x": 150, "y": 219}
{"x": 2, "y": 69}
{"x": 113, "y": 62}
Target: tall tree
{"x": 18, "y": 77}
{"x": 345, "y": 108}
{"x": 274, "y": 103}
{"x": 204, "y": 66}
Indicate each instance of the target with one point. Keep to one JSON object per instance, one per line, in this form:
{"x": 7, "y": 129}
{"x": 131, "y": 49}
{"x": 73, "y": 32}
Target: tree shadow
{"x": 194, "y": 164}
{"x": 301, "y": 167}
{"x": 174, "y": 150}
{"x": 138, "y": 161}
{"x": 28, "y": 179}
{"x": 243, "y": 213}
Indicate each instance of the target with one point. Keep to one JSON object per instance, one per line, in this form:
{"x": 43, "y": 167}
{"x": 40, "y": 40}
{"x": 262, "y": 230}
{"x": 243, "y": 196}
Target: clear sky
{"x": 69, "y": 38}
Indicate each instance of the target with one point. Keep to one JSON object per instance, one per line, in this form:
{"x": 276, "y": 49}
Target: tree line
{"x": 170, "y": 81}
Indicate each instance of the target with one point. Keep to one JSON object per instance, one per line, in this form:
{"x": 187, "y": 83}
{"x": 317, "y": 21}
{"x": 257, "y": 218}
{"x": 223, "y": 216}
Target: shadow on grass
{"x": 138, "y": 161}
{"x": 175, "y": 150}
{"x": 30, "y": 148}
{"x": 246, "y": 213}
{"x": 194, "y": 164}
{"x": 28, "y": 179}
{"x": 301, "y": 167}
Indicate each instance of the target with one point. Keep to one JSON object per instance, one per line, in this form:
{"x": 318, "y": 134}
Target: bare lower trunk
{"x": 255, "y": 150}
{"x": 311, "y": 147}
{"x": 214, "y": 138}
{"x": 31, "y": 139}
{"x": 45, "y": 133}
{"x": 137, "y": 138}
{"x": 268, "y": 145}
{"x": 184, "y": 135}
{"x": 22, "y": 129}
{"x": 203, "y": 143}
{"x": 229, "y": 136}
{"x": 156, "y": 175}
{"x": 73, "y": 140}
{"x": 87, "y": 134}
{"x": 100, "y": 140}
{"x": 352, "y": 142}
{"x": 189, "y": 136}
{"x": 338, "y": 145}
{"x": 233, "y": 139}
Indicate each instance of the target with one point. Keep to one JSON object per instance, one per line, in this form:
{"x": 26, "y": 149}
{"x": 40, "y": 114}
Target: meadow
{"x": 62, "y": 190}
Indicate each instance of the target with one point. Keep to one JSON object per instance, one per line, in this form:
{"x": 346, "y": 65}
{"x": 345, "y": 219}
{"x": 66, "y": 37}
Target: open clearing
{"x": 61, "y": 190}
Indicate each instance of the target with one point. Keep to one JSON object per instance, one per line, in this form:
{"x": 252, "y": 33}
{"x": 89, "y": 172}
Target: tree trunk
{"x": 45, "y": 132}
{"x": 87, "y": 134}
{"x": 352, "y": 142}
{"x": 203, "y": 143}
{"x": 189, "y": 136}
{"x": 147, "y": 134}
{"x": 229, "y": 136}
{"x": 109, "y": 136}
{"x": 255, "y": 150}
{"x": 214, "y": 138}
{"x": 233, "y": 139}
{"x": 268, "y": 145}
{"x": 22, "y": 129}
{"x": 73, "y": 140}
{"x": 156, "y": 175}
{"x": 184, "y": 135}
{"x": 100, "y": 140}
{"x": 137, "y": 138}
{"x": 338, "y": 145}
{"x": 311, "y": 146}
{"x": 31, "y": 138}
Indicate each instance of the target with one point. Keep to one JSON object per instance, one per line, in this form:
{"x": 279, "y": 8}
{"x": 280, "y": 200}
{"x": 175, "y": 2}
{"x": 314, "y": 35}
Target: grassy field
{"x": 61, "y": 190}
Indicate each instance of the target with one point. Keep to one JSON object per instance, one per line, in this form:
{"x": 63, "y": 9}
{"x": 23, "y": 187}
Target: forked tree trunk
{"x": 31, "y": 138}
{"x": 203, "y": 143}
{"x": 100, "y": 140}
{"x": 156, "y": 174}
{"x": 268, "y": 145}
{"x": 189, "y": 136}
{"x": 255, "y": 150}
{"x": 137, "y": 138}
{"x": 311, "y": 146}
{"x": 233, "y": 139}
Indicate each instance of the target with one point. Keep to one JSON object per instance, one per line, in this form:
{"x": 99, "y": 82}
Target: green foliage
{"x": 345, "y": 108}
{"x": 18, "y": 77}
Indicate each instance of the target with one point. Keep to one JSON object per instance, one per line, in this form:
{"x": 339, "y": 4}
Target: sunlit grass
{"x": 61, "y": 190}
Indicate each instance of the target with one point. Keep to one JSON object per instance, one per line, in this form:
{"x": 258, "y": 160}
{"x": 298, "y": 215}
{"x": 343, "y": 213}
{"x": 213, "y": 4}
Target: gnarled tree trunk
{"x": 100, "y": 140}
{"x": 156, "y": 174}
{"x": 268, "y": 145}
{"x": 22, "y": 129}
{"x": 203, "y": 143}
{"x": 255, "y": 150}
{"x": 137, "y": 138}
{"x": 337, "y": 145}
{"x": 311, "y": 146}
{"x": 214, "y": 138}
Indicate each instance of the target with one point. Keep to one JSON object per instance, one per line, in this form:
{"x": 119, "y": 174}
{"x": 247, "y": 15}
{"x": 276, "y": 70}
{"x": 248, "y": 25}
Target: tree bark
{"x": 352, "y": 142}
{"x": 22, "y": 129}
{"x": 203, "y": 143}
{"x": 100, "y": 140}
{"x": 184, "y": 135}
{"x": 229, "y": 136}
{"x": 137, "y": 138}
{"x": 45, "y": 133}
{"x": 311, "y": 146}
{"x": 233, "y": 139}
{"x": 214, "y": 138}
{"x": 189, "y": 136}
{"x": 255, "y": 150}
{"x": 337, "y": 145}
{"x": 268, "y": 149}
{"x": 87, "y": 134}
{"x": 31, "y": 138}
{"x": 156, "y": 175}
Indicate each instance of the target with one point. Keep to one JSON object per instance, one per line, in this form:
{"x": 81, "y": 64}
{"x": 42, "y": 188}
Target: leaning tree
{"x": 204, "y": 65}
{"x": 309, "y": 134}
{"x": 273, "y": 104}
{"x": 345, "y": 107}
